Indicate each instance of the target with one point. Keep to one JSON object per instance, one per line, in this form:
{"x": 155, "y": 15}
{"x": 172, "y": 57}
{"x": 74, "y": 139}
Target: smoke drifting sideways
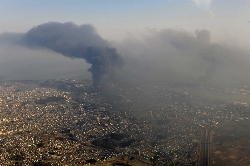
{"x": 156, "y": 57}
{"x": 178, "y": 56}
{"x": 75, "y": 41}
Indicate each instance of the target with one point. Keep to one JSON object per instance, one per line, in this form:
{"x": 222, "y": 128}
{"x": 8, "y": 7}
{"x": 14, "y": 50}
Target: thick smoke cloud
{"x": 203, "y": 35}
{"x": 76, "y": 41}
{"x": 159, "y": 57}
{"x": 155, "y": 57}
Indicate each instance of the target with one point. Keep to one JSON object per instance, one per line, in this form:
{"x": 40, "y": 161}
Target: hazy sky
{"x": 115, "y": 19}
{"x": 159, "y": 40}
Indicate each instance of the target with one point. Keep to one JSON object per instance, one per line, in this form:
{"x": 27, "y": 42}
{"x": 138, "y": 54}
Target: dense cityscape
{"x": 125, "y": 83}
{"x": 65, "y": 121}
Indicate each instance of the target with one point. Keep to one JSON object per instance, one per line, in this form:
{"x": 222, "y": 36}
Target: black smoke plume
{"x": 76, "y": 41}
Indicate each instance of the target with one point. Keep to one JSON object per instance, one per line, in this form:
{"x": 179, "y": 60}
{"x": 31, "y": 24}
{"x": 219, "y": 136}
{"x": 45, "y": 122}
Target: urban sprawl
{"x": 67, "y": 122}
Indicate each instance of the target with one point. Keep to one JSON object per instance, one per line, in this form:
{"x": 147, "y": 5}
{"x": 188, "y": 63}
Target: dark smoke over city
{"x": 155, "y": 57}
{"x": 125, "y": 83}
{"x": 76, "y": 41}
{"x": 178, "y": 56}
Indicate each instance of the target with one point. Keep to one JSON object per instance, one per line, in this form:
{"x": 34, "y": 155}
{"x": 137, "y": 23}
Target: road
{"x": 205, "y": 141}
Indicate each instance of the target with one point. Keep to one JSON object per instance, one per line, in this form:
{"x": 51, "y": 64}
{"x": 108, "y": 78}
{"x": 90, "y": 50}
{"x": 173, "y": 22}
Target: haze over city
{"x": 126, "y": 83}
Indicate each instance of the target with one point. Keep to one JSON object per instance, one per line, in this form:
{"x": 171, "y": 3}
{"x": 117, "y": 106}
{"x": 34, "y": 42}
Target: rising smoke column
{"x": 76, "y": 41}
